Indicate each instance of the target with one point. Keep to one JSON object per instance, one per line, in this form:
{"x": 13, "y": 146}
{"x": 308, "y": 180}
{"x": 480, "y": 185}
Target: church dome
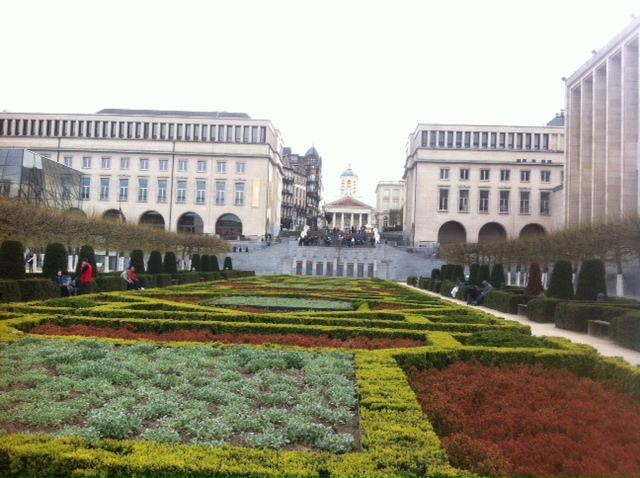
{"x": 349, "y": 172}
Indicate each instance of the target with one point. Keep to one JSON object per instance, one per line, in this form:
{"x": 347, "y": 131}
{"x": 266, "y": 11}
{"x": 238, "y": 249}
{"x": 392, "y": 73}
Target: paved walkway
{"x": 603, "y": 346}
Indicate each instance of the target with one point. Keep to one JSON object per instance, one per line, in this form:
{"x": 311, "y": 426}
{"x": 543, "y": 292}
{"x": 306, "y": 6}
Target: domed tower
{"x": 349, "y": 183}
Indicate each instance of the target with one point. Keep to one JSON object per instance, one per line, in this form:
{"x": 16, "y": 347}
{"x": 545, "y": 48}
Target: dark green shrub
{"x": 9, "y": 291}
{"x": 37, "y": 289}
{"x": 228, "y": 265}
{"x": 497, "y": 275}
{"x": 473, "y": 274}
{"x": 170, "y": 264}
{"x": 79, "y": 302}
{"x": 542, "y": 309}
{"x": 86, "y": 252}
{"x": 572, "y": 315}
{"x": 205, "y": 264}
{"x": 561, "y": 284}
{"x": 423, "y": 283}
{"x": 137, "y": 261}
{"x": 12, "y": 260}
{"x": 445, "y": 288}
{"x": 214, "y": 266}
{"x": 446, "y": 271}
{"x": 195, "y": 262}
{"x": 458, "y": 273}
{"x": 506, "y": 338}
{"x": 591, "y": 280}
{"x": 155, "y": 263}
{"x": 188, "y": 277}
{"x": 625, "y": 330}
{"x": 505, "y": 300}
{"x": 484, "y": 274}
{"x": 55, "y": 259}
{"x": 534, "y": 286}
{"x": 435, "y": 273}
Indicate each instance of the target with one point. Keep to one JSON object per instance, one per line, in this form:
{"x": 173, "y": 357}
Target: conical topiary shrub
{"x": 497, "y": 275}
{"x": 137, "y": 261}
{"x": 228, "y": 265}
{"x": 12, "y": 260}
{"x": 55, "y": 259}
{"x": 195, "y": 262}
{"x": 155, "y": 263}
{"x": 458, "y": 273}
{"x": 435, "y": 273}
{"x": 170, "y": 266}
{"x": 561, "y": 283}
{"x": 534, "y": 286}
{"x": 484, "y": 274}
{"x": 473, "y": 274}
{"x": 86, "y": 252}
{"x": 213, "y": 264}
{"x": 591, "y": 280}
{"x": 206, "y": 263}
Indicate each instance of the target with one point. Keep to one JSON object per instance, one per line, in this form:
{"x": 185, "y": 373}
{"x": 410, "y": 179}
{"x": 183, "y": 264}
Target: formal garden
{"x": 300, "y": 376}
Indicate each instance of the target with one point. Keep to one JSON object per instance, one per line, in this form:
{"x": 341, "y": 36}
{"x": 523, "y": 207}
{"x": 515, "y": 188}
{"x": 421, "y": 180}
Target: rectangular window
{"x": 181, "y": 192}
{"x": 202, "y": 166}
{"x": 172, "y": 131}
{"x": 494, "y": 139}
{"x": 525, "y": 203}
{"x": 162, "y": 190}
{"x": 212, "y": 130}
{"x": 527, "y": 141}
{"x": 444, "y": 173}
{"x": 138, "y": 130}
{"x": 443, "y": 200}
{"x": 179, "y": 135}
{"x": 229, "y": 133}
{"x": 545, "y": 141}
{"x": 476, "y": 140}
{"x": 505, "y": 175}
{"x": 124, "y": 163}
{"x": 164, "y": 165}
{"x": 518, "y": 140}
{"x": 425, "y": 139}
{"x": 545, "y": 203}
{"x": 144, "y": 164}
{"x": 458, "y": 139}
{"x": 467, "y": 139}
{"x": 464, "y": 174}
{"x": 124, "y": 189}
{"x": 504, "y": 202}
{"x": 484, "y": 174}
{"x": 221, "y": 132}
{"x": 483, "y": 201}
{"x": 182, "y": 165}
{"x": 86, "y": 188}
{"x": 254, "y": 134}
{"x": 263, "y": 134}
{"x": 536, "y": 141}
{"x": 241, "y": 167}
{"x": 441, "y": 139}
{"x": 510, "y": 140}
{"x": 245, "y": 134}
{"x": 221, "y": 167}
{"x": 143, "y": 190}
{"x": 239, "y": 199}
{"x": 196, "y": 132}
{"x": 525, "y": 176}
{"x": 545, "y": 176}
{"x": 449, "y": 139}
{"x": 86, "y": 162}
{"x": 163, "y": 130}
{"x": 104, "y": 189}
{"x": 106, "y": 163}
{"x": 463, "y": 200}
{"x": 238, "y": 133}
{"x": 68, "y": 161}
{"x": 485, "y": 140}
{"x": 201, "y": 188}
{"x": 220, "y": 193}
{"x": 187, "y": 132}
{"x": 502, "y": 140}
{"x": 432, "y": 139}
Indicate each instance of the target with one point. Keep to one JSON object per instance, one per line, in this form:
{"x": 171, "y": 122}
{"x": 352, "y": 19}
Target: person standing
{"x": 87, "y": 275}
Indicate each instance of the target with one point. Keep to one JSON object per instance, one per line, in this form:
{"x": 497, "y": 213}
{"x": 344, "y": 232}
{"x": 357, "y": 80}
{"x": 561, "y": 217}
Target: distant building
{"x": 389, "y": 204}
{"x": 348, "y": 212}
{"x": 301, "y": 189}
{"x": 200, "y": 172}
{"x": 473, "y": 183}
{"x": 603, "y": 124}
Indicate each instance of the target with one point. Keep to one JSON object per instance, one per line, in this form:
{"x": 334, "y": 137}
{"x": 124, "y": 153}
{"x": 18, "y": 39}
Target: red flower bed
{"x": 524, "y": 420}
{"x": 389, "y": 307}
{"x": 129, "y": 332}
{"x": 194, "y": 300}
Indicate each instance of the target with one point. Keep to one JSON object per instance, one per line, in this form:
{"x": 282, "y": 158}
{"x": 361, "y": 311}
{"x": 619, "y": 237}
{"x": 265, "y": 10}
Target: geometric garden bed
{"x": 76, "y": 406}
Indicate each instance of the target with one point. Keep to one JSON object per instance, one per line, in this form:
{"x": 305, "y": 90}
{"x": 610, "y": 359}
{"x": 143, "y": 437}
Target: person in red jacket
{"x": 87, "y": 275}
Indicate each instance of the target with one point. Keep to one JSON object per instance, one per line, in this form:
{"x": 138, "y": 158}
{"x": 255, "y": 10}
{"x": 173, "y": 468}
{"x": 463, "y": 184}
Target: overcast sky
{"x": 354, "y": 78}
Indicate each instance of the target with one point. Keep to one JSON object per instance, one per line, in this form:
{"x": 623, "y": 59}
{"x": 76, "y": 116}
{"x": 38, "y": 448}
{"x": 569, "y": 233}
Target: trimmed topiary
{"x": 155, "y": 263}
{"x": 195, "y": 262}
{"x": 561, "y": 284}
{"x": 484, "y": 274}
{"x": 473, "y": 274}
{"x": 458, "y": 273}
{"x": 137, "y": 260}
{"x": 213, "y": 264}
{"x": 591, "y": 280}
{"x": 228, "y": 265}
{"x": 12, "y": 260}
{"x": 497, "y": 275}
{"x": 55, "y": 259}
{"x": 534, "y": 286}
{"x": 87, "y": 252}
{"x": 170, "y": 265}
{"x": 205, "y": 263}
{"x": 435, "y": 273}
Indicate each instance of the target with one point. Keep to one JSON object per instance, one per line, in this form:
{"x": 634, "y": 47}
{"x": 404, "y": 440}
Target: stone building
{"x": 347, "y": 211}
{"x": 389, "y": 204}
{"x": 302, "y": 189}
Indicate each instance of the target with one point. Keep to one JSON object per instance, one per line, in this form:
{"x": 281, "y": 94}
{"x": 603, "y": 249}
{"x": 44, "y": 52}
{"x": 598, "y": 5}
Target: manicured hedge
{"x": 542, "y": 309}
{"x": 625, "y": 330}
{"x": 505, "y": 301}
{"x": 575, "y": 315}
{"x": 37, "y": 289}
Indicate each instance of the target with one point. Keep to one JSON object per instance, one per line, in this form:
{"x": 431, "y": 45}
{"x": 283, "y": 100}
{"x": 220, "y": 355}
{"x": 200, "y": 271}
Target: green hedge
{"x": 576, "y": 315}
{"x": 543, "y": 309}
{"x": 625, "y": 330}
{"x": 37, "y": 289}
{"x": 505, "y": 301}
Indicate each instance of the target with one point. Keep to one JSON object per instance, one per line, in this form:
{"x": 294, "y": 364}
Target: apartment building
{"x": 302, "y": 189}
{"x": 201, "y": 172}
{"x": 473, "y": 183}
{"x": 389, "y": 204}
{"x": 603, "y": 158}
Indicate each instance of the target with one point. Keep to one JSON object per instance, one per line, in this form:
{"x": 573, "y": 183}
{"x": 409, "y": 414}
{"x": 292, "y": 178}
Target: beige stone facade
{"x": 603, "y": 156}
{"x": 472, "y": 183}
{"x": 212, "y": 173}
{"x": 389, "y": 197}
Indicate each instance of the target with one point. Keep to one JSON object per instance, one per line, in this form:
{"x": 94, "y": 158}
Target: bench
{"x": 522, "y": 309}
{"x": 598, "y": 328}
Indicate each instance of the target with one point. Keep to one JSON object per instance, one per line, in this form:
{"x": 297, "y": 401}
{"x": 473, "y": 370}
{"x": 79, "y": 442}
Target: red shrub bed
{"x": 129, "y": 332}
{"x": 182, "y": 299}
{"x": 523, "y": 420}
